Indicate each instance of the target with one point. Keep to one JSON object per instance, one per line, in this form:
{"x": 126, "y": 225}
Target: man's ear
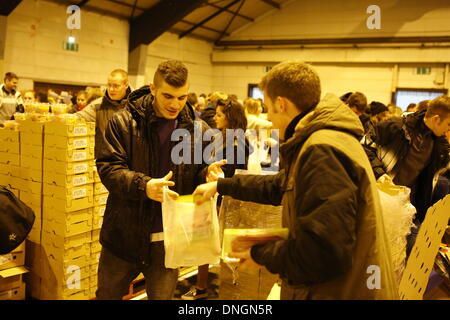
{"x": 152, "y": 88}
{"x": 283, "y": 104}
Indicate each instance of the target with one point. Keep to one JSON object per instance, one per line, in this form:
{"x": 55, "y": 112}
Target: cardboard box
{"x": 93, "y": 292}
{"x": 33, "y": 258}
{"x": 96, "y": 247}
{"x": 96, "y": 176}
{"x": 97, "y": 223}
{"x": 10, "y": 158}
{"x": 95, "y": 258}
{"x": 99, "y": 211}
{"x": 51, "y": 240}
{"x": 5, "y": 169}
{"x": 10, "y": 147}
{"x": 35, "y": 127}
{"x": 69, "y": 217}
{"x": 59, "y": 253}
{"x": 68, "y": 205}
{"x": 70, "y": 130}
{"x": 62, "y": 142}
{"x": 35, "y": 233}
{"x": 95, "y": 235}
{"x": 100, "y": 200}
{"x": 93, "y": 281}
{"x": 28, "y": 138}
{"x": 93, "y": 269}
{"x": 5, "y": 180}
{"x": 67, "y": 228}
{"x": 71, "y": 193}
{"x": 99, "y": 188}
{"x": 30, "y": 174}
{"x": 68, "y": 168}
{"x": 31, "y": 199}
{"x": 69, "y": 155}
{"x": 11, "y": 278}
{"x": 14, "y": 294}
{"x": 68, "y": 181}
{"x": 32, "y": 151}
{"x": 8, "y": 135}
{"x": 31, "y": 162}
{"x": 27, "y": 185}
{"x": 16, "y": 258}
{"x": 33, "y": 285}
{"x": 63, "y": 273}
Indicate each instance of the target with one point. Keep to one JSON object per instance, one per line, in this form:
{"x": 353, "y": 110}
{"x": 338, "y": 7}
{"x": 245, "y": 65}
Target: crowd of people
{"x": 333, "y": 150}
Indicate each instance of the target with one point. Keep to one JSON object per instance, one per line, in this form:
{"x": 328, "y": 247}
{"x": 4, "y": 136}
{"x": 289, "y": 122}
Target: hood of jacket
{"x": 330, "y": 113}
{"x": 140, "y": 104}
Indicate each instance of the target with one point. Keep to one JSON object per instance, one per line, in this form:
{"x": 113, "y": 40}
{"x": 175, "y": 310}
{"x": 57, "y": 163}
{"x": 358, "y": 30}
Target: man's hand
{"x": 215, "y": 171}
{"x": 205, "y": 192}
{"x": 246, "y": 262}
{"x": 155, "y": 187}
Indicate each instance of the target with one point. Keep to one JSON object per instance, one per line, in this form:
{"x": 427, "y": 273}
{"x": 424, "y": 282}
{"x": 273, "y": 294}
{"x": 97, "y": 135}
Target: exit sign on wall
{"x": 423, "y": 70}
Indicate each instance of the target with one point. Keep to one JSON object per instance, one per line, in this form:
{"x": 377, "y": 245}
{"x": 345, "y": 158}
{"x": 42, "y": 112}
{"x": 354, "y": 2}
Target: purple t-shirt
{"x": 164, "y": 127}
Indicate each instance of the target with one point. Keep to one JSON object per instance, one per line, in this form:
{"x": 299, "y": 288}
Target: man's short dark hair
{"x": 295, "y": 81}
{"x": 192, "y": 98}
{"x": 173, "y": 72}
{"x": 10, "y": 76}
{"x": 357, "y": 100}
{"x": 439, "y": 106}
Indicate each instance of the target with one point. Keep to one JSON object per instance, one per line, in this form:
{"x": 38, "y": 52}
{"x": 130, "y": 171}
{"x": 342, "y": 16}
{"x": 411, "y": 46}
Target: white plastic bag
{"x": 398, "y": 214}
{"x": 191, "y": 232}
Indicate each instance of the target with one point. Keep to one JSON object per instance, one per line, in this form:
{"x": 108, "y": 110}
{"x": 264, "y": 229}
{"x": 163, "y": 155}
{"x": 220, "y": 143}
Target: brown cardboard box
{"x": 97, "y": 223}
{"x": 100, "y": 200}
{"x": 16, "y": 258}
{"x": 99, "y": 211}
{"x": 11, "y": 278}
{"x": 62, "y": 293}
{"x": 17, "y": 293}
{"x": 10, "y": 147}
{"x": 10, "y": 158}
{"x": 27, "y": 185}
{"x": 68, "y": 181}
{"x": 35, "y": 127}
{"x": 96, "y": 247}
{"x": 60, "y": 253}
{"x": 31, "y": 199}
{"x": 36, "y": 230}
{"x": 70, "y": 130}
{"x": 95, "y": 235}
{"x": 33, "y": 258}
{"x": 29, "y": 150}
{"x": 99, "y": 188}
{"x": 64, "y": 272}
{"x": 30, "y": 174}
{"x": 96, "y": 176}
{"x": 7, "y": 135}
{"x": 68, "y": 217}
{"x": 31, "y": 162}
{"x": 62, "y": 142}
{"x": 31, "y": 139}
{"x": 68, "y": 199}
{"x": 51, "y": 240}
{"x": 68, "y": 168}
{"x": 69, "y": 193}
{"x": 68, "y": 205}
{"x": 67, "y": 229}
{"x": 93, "y": 269}
{"x": 69, "y": 155}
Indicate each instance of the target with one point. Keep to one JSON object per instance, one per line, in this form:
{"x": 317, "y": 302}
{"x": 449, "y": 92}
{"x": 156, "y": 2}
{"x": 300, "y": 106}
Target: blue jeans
{"x": 115, "y": 275}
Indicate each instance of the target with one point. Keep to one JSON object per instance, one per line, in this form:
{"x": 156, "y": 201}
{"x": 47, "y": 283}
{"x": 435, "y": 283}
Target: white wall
{"x": 370, "y": 69}
{"x": 196, "y": 54}
{"x": 36, "y": 31}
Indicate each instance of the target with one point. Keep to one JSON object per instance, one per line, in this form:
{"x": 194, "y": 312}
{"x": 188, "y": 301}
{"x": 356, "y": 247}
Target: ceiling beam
{"x": 203, "y": 27}
{"x": 208, "y": 19}
{"x": 6, "y": 7}
{"x": 231, "y": 21}
{"x": 272, "y": 3}
{"x": 158, "y": 19}
{"x": 300, "y": 42}
{"x": 82, "y": 3}
{"x": 232, "y": 12}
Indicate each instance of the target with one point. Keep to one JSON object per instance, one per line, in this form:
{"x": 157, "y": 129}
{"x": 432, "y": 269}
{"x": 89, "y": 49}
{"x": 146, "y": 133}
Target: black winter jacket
{"x": 126, "y": 162}
{"x": 389, "y": 143}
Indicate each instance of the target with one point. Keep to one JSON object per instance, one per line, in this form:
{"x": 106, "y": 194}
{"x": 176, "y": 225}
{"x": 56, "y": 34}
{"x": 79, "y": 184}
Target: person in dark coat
{"x": 412, "y": 150}
{"x": 135, "y": 163}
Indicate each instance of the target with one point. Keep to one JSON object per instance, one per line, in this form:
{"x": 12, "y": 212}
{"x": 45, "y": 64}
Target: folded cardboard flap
{"x": 12, "y": 272}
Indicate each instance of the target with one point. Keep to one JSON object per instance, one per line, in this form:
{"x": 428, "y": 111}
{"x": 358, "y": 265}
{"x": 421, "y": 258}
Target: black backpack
{"x": 16, "y": 221}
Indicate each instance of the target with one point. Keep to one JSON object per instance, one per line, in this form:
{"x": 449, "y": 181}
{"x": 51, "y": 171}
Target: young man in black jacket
{"x": 412, "y": 150}
{"x": 135, "y": 163}
{"x": 328, "y": 193}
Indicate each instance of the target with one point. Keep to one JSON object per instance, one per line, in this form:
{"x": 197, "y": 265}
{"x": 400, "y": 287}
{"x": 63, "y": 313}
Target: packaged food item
{"x": 29, "y": 107}
{"x": 20, "y": 116}
{"x": 59, "y": 108}
{"x": 43, "y": 108}
{"x": 240, "y": 239}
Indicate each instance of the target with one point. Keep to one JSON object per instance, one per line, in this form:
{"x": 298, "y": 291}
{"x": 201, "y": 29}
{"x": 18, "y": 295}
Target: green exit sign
{"x": 423, "y": 70}
{"x": 70, "y": 46}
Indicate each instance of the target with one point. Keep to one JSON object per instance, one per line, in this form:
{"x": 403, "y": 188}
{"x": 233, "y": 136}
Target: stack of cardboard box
{"x": 11, "y": 270}
{"x": 9, "y": 158}
{"x": 68, "y": 199}
{"x": 100, "y": 198}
